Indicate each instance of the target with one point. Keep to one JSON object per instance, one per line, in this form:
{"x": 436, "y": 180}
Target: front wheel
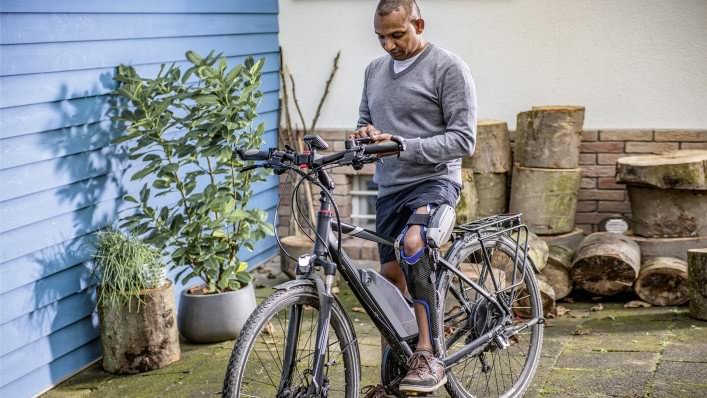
{"x": 255, "y": 368}
{"x": 500, "y": 370}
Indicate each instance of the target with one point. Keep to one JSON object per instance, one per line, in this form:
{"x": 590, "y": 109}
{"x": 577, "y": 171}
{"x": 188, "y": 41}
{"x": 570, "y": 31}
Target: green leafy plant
{"x": 185, "y": 127}
{"x": 124, "y": 265}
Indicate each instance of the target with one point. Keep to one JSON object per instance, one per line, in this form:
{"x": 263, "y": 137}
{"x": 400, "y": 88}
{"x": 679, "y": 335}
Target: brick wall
{"x": 599, "y": 195}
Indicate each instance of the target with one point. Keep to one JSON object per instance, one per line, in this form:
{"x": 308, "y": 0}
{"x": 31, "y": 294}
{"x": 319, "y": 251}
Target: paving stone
{"x": 596, "y": 383}
{"x": 680, "y": 379}
{"x": 544, "y": 367}
{"x": 686, "y": 352}
{"x": 621, "y": 361}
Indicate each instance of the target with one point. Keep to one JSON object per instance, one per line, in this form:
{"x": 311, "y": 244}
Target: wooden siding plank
{"x": 21, "y": 331}
{"x": 56, "y": 28}
{"x": 52, "y": 373}
{"x": 42, "y": 205}
{"x": 49, "y": 261}
{"x": 28, "y": 298}
{"x": 32, "y": 148}
{"x": 56, "y": 86}
{"x": 40, "y": 352}
{"x": 45, "y": 262}
{"x": 31, "y": 119}
{"x": 51, "y": 57}
{"x": 33, "y": 237}
{"x": 140, "y": 6}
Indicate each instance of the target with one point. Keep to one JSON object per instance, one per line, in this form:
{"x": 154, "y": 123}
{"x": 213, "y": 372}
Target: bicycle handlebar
{"x": 357, "y": 153}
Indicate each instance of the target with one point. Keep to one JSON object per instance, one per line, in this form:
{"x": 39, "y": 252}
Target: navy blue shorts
{"x": 393, "y": 211}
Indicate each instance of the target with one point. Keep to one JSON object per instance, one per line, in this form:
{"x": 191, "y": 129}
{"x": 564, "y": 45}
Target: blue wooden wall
{"x": 61, "y": 179}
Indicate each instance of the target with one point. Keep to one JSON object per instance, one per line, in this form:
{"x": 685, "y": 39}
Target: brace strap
{"x": 419, "y": 219}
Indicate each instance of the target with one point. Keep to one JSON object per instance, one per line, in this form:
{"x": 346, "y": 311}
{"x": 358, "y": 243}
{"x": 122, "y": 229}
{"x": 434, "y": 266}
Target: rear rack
{"x": 508, "y": 225}
{"x": 490, "y": 224}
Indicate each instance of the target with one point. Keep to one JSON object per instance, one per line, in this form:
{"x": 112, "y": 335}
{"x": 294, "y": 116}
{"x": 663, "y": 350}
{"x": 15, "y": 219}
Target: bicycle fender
{"x": 297, "y": 282}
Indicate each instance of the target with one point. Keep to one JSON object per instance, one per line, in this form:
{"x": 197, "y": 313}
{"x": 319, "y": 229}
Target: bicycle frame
{"x": 341, "y": 262}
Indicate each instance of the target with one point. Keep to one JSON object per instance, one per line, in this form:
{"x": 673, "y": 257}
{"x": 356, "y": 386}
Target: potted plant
{"x": 135, "y": 305}
{"x": 185, "y": 127}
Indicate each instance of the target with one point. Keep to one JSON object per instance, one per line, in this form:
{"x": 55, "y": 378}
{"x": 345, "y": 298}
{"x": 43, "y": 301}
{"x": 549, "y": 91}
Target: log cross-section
{"x": 663, "y": 281}
{"x": 606, "y": 263}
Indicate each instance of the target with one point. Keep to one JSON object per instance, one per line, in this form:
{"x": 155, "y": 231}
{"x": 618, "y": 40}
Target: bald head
{"x": 385, "y": 7}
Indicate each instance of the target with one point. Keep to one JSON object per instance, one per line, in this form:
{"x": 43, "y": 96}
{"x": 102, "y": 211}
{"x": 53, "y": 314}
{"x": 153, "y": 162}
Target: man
{"x": 426, "y": 95}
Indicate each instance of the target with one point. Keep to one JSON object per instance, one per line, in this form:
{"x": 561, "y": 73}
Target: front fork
{"x": 318, "y": 387}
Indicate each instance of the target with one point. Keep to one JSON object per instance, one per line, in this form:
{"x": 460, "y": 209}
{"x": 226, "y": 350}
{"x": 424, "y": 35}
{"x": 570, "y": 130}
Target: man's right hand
{"x": 368, "y": 131}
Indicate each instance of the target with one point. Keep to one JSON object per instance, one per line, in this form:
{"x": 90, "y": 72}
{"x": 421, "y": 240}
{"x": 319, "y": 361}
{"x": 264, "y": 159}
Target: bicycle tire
{"x": 306, "y": 296}
{"x": 459, "y": 385}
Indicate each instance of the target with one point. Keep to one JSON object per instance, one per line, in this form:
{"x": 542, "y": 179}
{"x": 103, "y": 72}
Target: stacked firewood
{"x": 484, "y": 174}
{"x": 668, "y": 196}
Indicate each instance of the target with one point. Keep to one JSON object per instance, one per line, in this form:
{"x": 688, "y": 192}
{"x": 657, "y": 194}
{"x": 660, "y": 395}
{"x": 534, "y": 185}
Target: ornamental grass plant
{"x": 125, "y": 266}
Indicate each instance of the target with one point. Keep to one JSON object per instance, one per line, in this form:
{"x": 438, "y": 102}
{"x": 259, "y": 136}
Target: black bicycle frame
{"x": 341, "y": 262}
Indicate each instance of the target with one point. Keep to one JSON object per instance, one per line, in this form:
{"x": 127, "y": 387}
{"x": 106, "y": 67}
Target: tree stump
{"x": 491, "y": 194}
{"x": 550, "y": 136}
{"x": 668, "y": 247}
{"x": 467, "y": 206}
{"x": 684, "y": 169}
{"x": 663, "y": 281}
{"x": 493, "y": 148}
{"x": 606, "y": 263}
{"x": 136, "y": 341}
{"x": 546, "y": 197}
{"x": 570, "y": 239}
{"x": 668, "y": 213}
{"x": 557, "y": 271}
{"x": 697, "y": 282}
{"x": 547, "y": 297}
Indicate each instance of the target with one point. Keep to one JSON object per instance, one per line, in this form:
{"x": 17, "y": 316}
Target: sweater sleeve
{"x": 458, "y": 102}
{"x": 364, "y": 113}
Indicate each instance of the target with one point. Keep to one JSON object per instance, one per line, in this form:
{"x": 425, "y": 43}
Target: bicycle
{"x": 300, "y": 341}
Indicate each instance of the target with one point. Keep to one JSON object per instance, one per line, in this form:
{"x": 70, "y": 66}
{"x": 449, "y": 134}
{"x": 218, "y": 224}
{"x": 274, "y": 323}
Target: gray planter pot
{"x": 213, "y": 318}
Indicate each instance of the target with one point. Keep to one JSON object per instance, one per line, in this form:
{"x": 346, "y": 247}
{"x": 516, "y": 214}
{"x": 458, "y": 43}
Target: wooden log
{"x": 683, "y": 169}
{"x": 546, "y": 197}
{"x": 466, "y": 208}
{"x": 570, "y": 239}
{"x": 547, "y": 296}
{"x": 472, "y": 271}
{"x": 606, "y": 263}
{"x": 557, "y": 271}
{"x": 667, "y": 247}
{"x": 491, "y": 194}
{"x": 551, "y": 136}
{"x": 136, "y": 341}
{"x": 519, "y": 141}
{"x": 668, "y": 213}
{"x": 493, "y": 148}
{"x": 537, "y": 252}
{"x": 697, "y": 282}
{"x": 663, "y": 281}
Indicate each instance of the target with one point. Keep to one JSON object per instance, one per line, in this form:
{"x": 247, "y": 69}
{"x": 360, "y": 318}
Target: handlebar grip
{"x": 253, "y": 154}
{"x": 385, "y": 147}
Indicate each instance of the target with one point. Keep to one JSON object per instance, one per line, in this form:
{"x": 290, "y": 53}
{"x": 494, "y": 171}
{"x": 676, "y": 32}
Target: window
{"x": 363, "y": 201}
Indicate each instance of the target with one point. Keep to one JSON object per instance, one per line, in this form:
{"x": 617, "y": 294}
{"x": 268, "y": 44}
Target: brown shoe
{"x": 371, "y": 391}
{"x": 426, "y": 373}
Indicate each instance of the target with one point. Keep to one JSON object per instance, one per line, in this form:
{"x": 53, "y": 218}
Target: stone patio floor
{"x": 615, "y": 352}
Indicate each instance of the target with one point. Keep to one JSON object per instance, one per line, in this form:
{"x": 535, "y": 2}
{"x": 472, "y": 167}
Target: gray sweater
{"x": 432, "y": 104}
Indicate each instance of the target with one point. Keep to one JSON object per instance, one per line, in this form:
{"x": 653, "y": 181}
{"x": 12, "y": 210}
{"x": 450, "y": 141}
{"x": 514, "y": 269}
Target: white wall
{"x": 633, "y": 64}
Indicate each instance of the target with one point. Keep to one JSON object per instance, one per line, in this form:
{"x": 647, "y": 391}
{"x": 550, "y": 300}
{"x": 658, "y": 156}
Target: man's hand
{"x": 370, "y": 132}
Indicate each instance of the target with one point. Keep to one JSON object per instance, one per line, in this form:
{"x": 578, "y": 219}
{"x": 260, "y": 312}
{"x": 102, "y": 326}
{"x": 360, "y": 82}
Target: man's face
{"x": 399, "y": 36}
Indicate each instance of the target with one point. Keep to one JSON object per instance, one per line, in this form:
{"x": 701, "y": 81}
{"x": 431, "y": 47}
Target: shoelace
{"x": 415, "y": 365}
